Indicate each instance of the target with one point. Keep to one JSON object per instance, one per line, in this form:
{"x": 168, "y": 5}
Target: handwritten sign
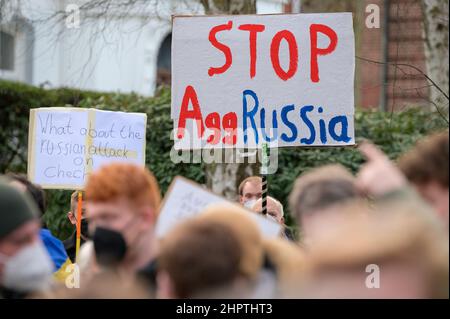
{"x": 67, "y": 144}
{"x": 241, "y": 81}
{"x": 185, "y": 199}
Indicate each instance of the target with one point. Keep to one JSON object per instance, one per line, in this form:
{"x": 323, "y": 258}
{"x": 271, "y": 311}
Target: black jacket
{"x": 11, "y": 294}
{"x": 70, "y": 245}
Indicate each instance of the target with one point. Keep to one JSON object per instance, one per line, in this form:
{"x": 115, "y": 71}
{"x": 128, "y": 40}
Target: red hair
{"x": 118, "y": 180}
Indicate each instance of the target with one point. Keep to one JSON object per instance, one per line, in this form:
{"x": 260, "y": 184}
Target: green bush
{"x": 393, "y": 132}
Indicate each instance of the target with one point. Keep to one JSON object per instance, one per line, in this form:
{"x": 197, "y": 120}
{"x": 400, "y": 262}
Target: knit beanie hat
{"x": 15, "y": 209}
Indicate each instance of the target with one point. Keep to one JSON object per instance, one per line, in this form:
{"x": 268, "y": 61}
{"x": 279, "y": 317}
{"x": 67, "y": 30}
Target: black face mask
{"x": 110, "y": 247}
{"x": 85, "y": 228}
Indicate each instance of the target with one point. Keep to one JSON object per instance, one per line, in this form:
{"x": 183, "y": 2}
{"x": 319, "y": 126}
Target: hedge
{"x": 395, "y": 133}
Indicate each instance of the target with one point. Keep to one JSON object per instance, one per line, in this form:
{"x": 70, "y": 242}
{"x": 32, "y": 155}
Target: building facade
{"x": 128, "y": 49}
{"x": 50, "y": 44}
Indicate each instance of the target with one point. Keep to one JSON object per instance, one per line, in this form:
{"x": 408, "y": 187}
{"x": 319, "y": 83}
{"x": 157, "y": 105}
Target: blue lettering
{"x": 344, "y": 129}
{"x": 249, "y": 114}
{"x": 323, "y": 131}
{"x": 309, "y": 124}
{"x": 284, "y": 112}
{"x": 274, "y": 125}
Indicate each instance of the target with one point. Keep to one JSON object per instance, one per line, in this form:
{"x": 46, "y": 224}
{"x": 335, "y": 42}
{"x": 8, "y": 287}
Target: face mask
{"x": 29, "y": 270}
{"x": 110, "y": 246}
{"x": 272, "y": 218}
{"x": 250, "y": 203}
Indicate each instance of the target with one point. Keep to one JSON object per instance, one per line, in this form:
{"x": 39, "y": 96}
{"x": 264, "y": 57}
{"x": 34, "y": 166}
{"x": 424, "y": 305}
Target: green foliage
{"x": 393, "y": 132}
{"x": 17, "y": 99}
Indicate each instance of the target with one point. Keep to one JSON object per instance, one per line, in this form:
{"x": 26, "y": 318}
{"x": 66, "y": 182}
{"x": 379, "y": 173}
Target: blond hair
{"x": 397, "y": 234}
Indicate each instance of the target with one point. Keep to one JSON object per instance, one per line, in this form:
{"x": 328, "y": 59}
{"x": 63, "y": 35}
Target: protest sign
{"x": 66, "y": 144}
{"x": 242, "y": 81}
{"x": 185, "y": 199}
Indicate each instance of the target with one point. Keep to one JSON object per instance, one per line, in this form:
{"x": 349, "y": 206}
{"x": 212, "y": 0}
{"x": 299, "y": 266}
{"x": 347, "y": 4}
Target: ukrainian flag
{"x": 55, "y": 249}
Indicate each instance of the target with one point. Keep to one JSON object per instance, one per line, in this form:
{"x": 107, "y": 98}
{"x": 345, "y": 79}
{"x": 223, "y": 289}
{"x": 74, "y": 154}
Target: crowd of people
{"x": 382, "y": 233}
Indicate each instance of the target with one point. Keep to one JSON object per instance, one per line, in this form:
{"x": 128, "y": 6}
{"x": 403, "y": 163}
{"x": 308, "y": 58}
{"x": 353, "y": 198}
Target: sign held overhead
{"x": 241, "y": 81}
{"x": 66, "y": 144}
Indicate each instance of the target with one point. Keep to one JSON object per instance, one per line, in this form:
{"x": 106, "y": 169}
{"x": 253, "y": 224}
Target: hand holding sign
{"x": 379, "y": 175}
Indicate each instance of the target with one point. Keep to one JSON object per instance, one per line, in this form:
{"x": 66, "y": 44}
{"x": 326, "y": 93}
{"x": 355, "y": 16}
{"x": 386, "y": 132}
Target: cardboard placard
{"x": 241, "y": 81}
{"x": 66, "y": 144}
{"x": 186, "y": 199}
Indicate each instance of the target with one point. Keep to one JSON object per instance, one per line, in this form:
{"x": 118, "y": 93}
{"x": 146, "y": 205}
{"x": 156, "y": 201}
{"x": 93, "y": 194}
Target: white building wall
{"x": 107, "y": 54}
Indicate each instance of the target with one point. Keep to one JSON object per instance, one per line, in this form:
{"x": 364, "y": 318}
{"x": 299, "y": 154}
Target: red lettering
{"x": 314, "y": 29}
{"x": 222, "y": 47}
{"x": 212, "y": 122}
{"x": 253, "y": 30}
{"x": 293, "y": 54}
{"x": 194, "y": 114}
{"x": 229, "y": 123}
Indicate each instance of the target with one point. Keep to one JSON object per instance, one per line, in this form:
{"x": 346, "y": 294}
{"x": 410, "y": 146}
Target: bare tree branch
{"x": 435, "y": 105}
{"x": 397, "y": 65}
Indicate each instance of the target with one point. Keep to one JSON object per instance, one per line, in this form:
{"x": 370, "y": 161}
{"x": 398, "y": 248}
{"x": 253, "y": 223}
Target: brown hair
{"x": 200, "y": 255}
{"x": 289, "y": 260}
{"x": 36, "y": 191}
{"x": 428, "y": 160}
{"x": 118, "y": 180}
{"x": 250, "y": 240}
{"x": 251, "y": 179}
{"x": 321, "y": 188}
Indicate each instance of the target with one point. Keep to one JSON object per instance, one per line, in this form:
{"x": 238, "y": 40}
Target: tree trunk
{"x": 229, "y": 6}
{"x": 436, "y": 48}
{"x": 224, "y": 178}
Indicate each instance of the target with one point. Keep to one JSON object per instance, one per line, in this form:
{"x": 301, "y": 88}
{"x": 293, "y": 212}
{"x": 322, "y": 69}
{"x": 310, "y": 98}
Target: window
{"x": 6, "y": 51}
{"x": 163, "y": 75}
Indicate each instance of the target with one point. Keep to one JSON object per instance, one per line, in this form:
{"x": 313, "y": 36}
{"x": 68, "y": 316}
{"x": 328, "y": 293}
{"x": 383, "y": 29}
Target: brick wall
{"x": 405, "y": 87}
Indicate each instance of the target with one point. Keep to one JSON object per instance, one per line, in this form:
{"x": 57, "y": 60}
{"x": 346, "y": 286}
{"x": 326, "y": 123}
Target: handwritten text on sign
{"x": 286, "y": 80}
{"x": 67, "y": 144}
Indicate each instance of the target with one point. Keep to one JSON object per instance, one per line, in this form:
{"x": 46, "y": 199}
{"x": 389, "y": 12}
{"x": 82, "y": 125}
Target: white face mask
{"x": 250, "y": 203}
{"x": 272, "y": 218}
{"x": 29, "y": 270}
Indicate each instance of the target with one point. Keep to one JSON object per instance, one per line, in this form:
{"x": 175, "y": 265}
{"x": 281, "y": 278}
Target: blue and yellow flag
{"x": 55, "y": 249}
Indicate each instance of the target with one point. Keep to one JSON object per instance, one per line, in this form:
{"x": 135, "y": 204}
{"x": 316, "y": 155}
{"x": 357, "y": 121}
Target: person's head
{"x": 121, "y": 205}
{"x": 250, "y": 190}
{"x": 390, "y": 254}
{"x": 289, "y": 260}
{"x": 196, "y": 258}
{"x": 320, "y": 189}
{"x": 274, "y": 209}
{"x": 21, "y": 182}
{"x": 73, "y": 212}
{"x": 247, "y": 232}
{"x": 426, "y": 167}
{"x": 24, "y": 263}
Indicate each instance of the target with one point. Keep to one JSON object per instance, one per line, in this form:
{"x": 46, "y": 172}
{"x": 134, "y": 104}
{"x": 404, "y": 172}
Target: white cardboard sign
{"x": 186, "y": 199}
{"x": 240, "y": 81}
{"x": 66, "y": 144}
